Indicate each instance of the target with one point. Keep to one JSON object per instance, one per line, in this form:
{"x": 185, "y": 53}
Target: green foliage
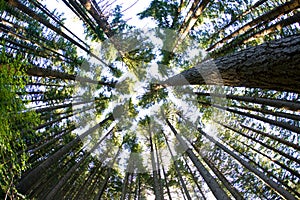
{"x": 15, "y": 127}
{"x": 163, "y": 12}
{"x": 152, "y": 96}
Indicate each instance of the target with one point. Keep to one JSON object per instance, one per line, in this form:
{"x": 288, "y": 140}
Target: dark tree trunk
{"x": 274, "y": 65}
{"x": 30, "y": 179}
{"x": 63, "y": 180}
{"x": 209, "y": 179}
{"x": 291, "y": 158}
{"x": 183, "y": 185}
{"x": 275, "y": 186}
{"x": 277, "y": 103}
{"x": 270, "y": 121}
{"x": 157, "y": 192}
{"x": 269, "y": 16}
{"x": 195, "y": 181}
{"x": 282, "y": 141}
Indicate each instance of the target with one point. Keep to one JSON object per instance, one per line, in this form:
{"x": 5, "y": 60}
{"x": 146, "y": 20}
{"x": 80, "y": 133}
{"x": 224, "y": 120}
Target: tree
{"x": 133, "y": 120}
{"x": 257, "y": 67}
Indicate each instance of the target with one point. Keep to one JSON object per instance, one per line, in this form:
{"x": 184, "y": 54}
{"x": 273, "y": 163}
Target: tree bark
{"x": 261, "y": 143}
{"x": 30, "y": 179}
{"x": 107, "y": 176}
{"x": 274, "y": 65}
{"x": 195, "y": 179}
{"x": 263, "y": 119}
{"x": 183, "y": 185}
{"x": 209, "y": 179}
{"x": 259, "y": 167}
{"x": 156, "y": 187}
{"x": 43, "y": 72}
{"x": 275, "y": 186}
{"x": 257, "y": 32}
{"x": 166, "y": 182}
{"x": 282, "y": 141}
{"x": 239, "y": 17}
{"x": 193, "y": 19}
{"x": 269, "y": 16}
{"x": 63, "y": 180}
{"x": 277, "y": 103}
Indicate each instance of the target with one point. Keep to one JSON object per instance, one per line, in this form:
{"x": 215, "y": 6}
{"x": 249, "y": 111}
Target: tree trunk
{"x": 257, "y": 67}
{"x": 124, "y": 186}
{"x": 28, "y": 11}
{"x": 276, "y": 187}
{"x": 183, "y": 185}
{"x": 158, "y": 194}
{"x": 161, "y": 191}
{"x": 223, "y": 179}
{"x": 269, "y": 16}
{"x": 88, "y": 182}
{"x": 108, "y": 175}
{"x": 293, "y": 172}
{"x": 291, "y": 158}
{"x": 195, "y": 180}
{"x": 270, "y": 121}
{"x": 282, "y": 141}
{"x": 30, "y": 179}
{"x": 269, "y": 112}
{"x": 254, "y": 33}
{"x": 43, "y": 72}
{"x": 209, "y": 179}
{"x": 277, "y": 103}
{"x": 166, "y": 182}
{"x": 63, "y": 180}
{"x": 259, "y": 167}
{"x": 239, "y": 17}
{"x": 194, "y": 18}
{"x": 51, "y": 141}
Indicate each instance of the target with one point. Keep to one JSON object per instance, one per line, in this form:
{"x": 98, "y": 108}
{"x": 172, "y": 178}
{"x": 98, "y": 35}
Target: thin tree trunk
{"x": 291, "y": 158}
{"x": 124, "y": 186}
{"x": 88, "y": 183}
{"x": 192, "y": 21}
{"x": 183, "y": 185}
{"x": 259, "y": 167}
{"x": 30, "y": 179}
{"x": 156, "y": 189}
{"x": 48, "y": 140}
{"x": 43, "y": 72}
{"x": 166, "y": 182}
{"x": 293, "y": 172}
{"x": 63, "y": 180}
{"x": 51, "y": 141}
{"x": 277, "y": 103}
{"x": 209, "y": 179}
{"x": 161, "y": 191}
{"x": 257, "y": 67}
{"x": 223, "y": 179}
{"x": 108, "y": 175}
{"x": 137, "y": 182}
{"x": 45, "y": 10}
{"x": 29, "y": 12}
{"x": 130, "y": 186}
{"x": 276, "y": 187}
{"x": 254, "y": 33}
{"x": 239, "y": 17}
{"x": 195, "y": 180}
{"x": 269, "y": 112}
{"x": 282, "y": 141}
{"x": 269, "y": 16}
{"x": 270, "y": 121}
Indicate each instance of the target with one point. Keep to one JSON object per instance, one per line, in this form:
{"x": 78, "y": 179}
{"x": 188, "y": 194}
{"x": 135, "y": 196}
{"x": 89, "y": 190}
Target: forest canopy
{"x": 158, "y": 99}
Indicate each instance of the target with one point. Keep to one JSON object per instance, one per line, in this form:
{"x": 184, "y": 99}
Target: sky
{"x": 75, "y": 25}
